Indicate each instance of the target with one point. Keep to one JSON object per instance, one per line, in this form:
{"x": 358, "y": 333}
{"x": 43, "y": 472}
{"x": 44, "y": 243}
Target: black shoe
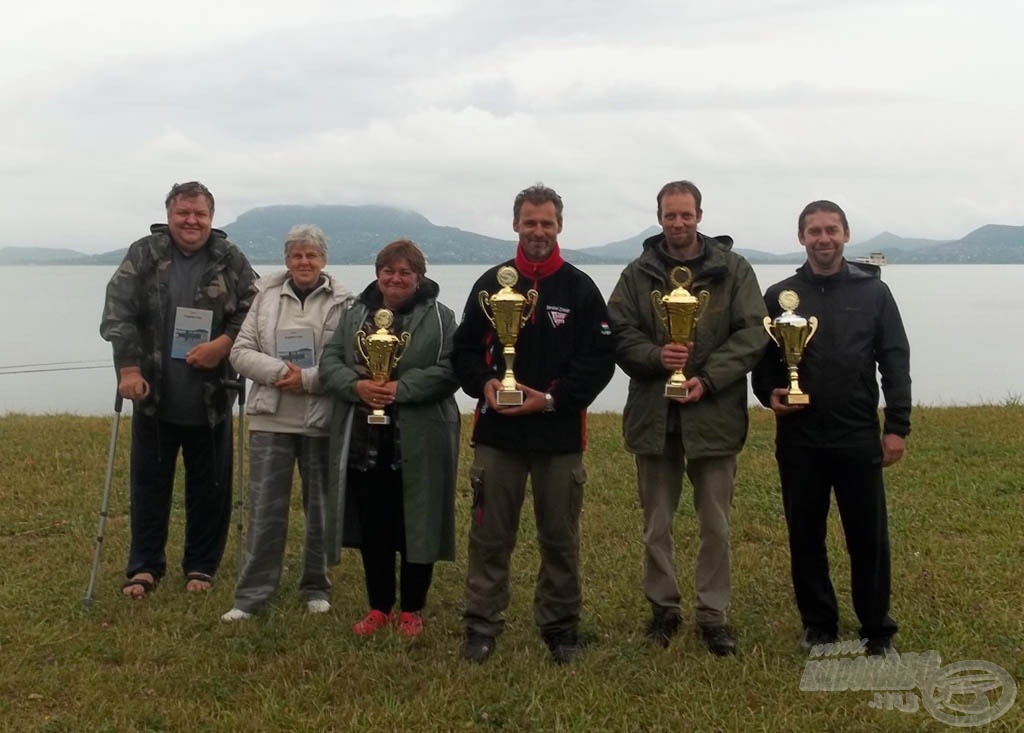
{"x": 478, "y": 646}
{"x": 718, "y": 639}
{"x": 880, "y": 646}
{"x": 663, "y": 626}
{"x": 563, "y": 645}
{"x": 817, "y": 637}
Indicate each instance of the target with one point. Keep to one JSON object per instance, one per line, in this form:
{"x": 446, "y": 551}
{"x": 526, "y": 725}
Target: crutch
{"x": 105, "y": 505}
{"x": 239, "y": 386}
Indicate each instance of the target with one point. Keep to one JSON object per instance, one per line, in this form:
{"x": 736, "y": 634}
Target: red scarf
{"x": 538, "y": 270}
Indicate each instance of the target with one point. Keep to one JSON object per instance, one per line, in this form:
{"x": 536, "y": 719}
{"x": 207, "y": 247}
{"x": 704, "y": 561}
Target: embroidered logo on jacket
{"x": 557, "y": 315}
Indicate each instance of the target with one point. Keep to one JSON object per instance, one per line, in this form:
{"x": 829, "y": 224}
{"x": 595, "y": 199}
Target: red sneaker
{"x": 410, "y": 624}
{"x": 373, "y": 621}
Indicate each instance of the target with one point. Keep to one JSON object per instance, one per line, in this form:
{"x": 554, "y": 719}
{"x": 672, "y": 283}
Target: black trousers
{"x": 378, "y": 499}
{"x": 808, "y": 476}
{"x": 207, "y": 454}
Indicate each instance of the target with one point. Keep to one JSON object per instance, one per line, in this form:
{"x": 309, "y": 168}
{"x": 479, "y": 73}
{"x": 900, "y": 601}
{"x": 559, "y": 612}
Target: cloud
{"x": 904, "y": 110}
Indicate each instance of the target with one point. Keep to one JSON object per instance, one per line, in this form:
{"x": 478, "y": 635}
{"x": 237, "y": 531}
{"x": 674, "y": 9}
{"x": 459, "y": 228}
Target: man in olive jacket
{"x": 702, "y": 432}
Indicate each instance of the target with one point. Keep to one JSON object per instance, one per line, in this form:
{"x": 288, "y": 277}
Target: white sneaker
{"x": 236, "y": 614}
{"x": 318, "y": 605}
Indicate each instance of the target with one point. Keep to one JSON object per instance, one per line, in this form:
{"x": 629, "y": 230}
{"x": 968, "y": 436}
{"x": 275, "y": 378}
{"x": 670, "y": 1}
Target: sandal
{"x": 148, "y": 586}
{"x": 198, "y": 577}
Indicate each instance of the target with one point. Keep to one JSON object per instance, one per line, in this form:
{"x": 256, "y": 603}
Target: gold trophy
{"x": 791, "y": 333}
{"x": 679, "y": 311}
{"x": 508, "y": 311}
{"x": 382, "y": 351}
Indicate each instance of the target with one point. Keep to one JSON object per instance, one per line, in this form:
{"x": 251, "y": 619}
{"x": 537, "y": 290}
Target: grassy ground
{"x": 167, "y": 664}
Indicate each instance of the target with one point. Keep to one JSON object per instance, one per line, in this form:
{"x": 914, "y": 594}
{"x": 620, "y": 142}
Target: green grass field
{"x": 167, "y": 663}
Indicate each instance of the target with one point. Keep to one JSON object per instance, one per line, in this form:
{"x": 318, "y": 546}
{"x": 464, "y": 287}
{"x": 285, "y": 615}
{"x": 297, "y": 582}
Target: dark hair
{"x": 402, "y": 249}
{"x": 537, "y": 194}
{"x": 679, "y": 187}
{"x": 189, "y": 191}
{"x": 826, "y": 206}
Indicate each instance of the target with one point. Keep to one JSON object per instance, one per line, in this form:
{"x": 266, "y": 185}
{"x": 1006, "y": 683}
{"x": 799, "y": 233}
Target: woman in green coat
{"x": 392, "y": 482}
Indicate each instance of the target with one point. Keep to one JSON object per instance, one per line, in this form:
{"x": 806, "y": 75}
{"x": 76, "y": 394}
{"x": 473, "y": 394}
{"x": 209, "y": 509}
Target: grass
{"x": 167, "y": 664}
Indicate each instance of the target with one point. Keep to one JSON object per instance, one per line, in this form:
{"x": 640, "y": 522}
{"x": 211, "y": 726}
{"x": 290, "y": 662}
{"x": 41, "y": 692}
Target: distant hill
{"x": 356, "y": 233}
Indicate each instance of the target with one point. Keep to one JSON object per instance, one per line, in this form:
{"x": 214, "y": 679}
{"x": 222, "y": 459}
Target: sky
{"x": 908, "y": 113}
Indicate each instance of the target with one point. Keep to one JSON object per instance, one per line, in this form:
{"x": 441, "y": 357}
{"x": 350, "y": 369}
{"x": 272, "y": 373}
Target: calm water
{"x": 963, "y": 323}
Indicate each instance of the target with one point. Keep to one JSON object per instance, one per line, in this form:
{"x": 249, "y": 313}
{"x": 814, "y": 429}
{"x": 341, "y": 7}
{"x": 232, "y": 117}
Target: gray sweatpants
{"x": 272, "y": 458}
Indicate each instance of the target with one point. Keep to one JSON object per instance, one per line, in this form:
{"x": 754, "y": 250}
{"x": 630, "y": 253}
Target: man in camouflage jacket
{"x": 179, "y": 403}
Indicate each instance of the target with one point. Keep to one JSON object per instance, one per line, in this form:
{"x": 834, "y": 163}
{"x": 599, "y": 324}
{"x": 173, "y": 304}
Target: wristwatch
{"x": 549, "y": 402}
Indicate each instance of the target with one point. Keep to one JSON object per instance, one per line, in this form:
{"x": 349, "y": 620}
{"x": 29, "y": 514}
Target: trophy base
{"x": 676, "y": 390}
{"x": 799, "y": 398}
{"x": 509, "y": 397}
{"x": 374, "y": 419}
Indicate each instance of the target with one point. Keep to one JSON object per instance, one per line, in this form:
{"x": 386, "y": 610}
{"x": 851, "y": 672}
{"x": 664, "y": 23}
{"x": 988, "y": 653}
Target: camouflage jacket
{"x": 134, "y": 317}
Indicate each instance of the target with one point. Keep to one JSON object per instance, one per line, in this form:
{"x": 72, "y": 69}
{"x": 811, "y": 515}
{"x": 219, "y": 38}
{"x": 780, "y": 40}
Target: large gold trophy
{"x": 792, "y": 332}
{"x": 680, "y": 311}
{"x": 382, "y": 351}
{"x": 508, "y": 311}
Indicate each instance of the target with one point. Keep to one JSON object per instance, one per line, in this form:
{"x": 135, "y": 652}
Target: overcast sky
{"x": 909, "y": 113}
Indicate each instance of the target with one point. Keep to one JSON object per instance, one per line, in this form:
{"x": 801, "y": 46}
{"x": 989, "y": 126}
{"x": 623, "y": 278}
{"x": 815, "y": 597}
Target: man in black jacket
{"x": 833, "y": 442}
{"x": 563, "y": 359}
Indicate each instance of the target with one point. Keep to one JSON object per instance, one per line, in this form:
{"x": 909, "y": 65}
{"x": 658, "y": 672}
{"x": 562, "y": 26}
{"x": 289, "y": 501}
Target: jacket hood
{"x": 850, "y": 271}
{"x": 724, "y": 240}
{"x": 426, "y": 290}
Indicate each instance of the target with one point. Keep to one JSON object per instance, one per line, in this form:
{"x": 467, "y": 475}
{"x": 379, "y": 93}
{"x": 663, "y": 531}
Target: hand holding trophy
{"x": 382, "y": 351}
{"x": 791, "y": 333}
{"x": 679, "y": 311}
{"x": 508, "y": 311}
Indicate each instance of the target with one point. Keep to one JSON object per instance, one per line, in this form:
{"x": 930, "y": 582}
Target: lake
{"x": 961, "y": 320}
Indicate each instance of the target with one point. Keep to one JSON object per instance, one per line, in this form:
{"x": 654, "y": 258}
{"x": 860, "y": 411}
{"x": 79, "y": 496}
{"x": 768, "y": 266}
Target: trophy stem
{"x": 675, "y": 387}
{"x": 796, "y": 396}
{"x": 508, "y": 395}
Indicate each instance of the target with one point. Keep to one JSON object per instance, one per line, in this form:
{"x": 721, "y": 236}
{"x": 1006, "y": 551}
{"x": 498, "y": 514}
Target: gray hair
{"x": 306, "y": 234}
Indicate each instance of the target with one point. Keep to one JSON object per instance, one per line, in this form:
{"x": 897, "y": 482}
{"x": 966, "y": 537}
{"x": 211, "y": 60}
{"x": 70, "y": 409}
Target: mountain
{"x": 624, "y": 250}
{"x": 992, "y": 244}
{"x": 40, "y": 256}
{"x": 356, "y": 233}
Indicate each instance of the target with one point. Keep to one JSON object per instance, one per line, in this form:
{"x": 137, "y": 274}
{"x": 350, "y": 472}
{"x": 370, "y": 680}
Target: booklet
{"x": 296, "y": 345}
{"x": 191, "y": 327}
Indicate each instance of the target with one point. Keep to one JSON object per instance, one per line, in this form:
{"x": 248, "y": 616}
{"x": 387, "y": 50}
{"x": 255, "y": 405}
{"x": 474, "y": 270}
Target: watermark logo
{"x": 963, "y": 694}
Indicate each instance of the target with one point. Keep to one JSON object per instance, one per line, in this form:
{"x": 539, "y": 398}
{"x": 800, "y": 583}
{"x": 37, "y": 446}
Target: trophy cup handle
{"x": 531, "y": 305}
{"x": 659, "y": 307}
{"x": 403, "y": 344}
{"x": 769, "y": 327}
{"x": 361, "y": 345}
{"x": 703, "y": 298}
{"x": 813, "y": 323}
{"x": 485, "y": 300}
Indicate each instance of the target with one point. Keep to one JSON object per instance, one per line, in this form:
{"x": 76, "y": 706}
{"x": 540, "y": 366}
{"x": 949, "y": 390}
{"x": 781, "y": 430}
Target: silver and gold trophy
{"x": 791, "y": 332}
{"x": 679, "y": 311}
{"x": 508, "y": 311}
{"x": 382, "y": 350}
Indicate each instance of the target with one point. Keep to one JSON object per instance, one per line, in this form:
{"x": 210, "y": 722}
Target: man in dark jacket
{"x": 183, "y": 280}
{"x": 700, "y": 433}
{"x": 833, "y": 442}
{"x": 563, "y": 359}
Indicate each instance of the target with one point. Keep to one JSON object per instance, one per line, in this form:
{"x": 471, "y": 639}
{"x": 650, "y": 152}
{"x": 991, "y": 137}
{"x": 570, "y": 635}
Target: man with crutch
{"x": 172, "y": 311}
